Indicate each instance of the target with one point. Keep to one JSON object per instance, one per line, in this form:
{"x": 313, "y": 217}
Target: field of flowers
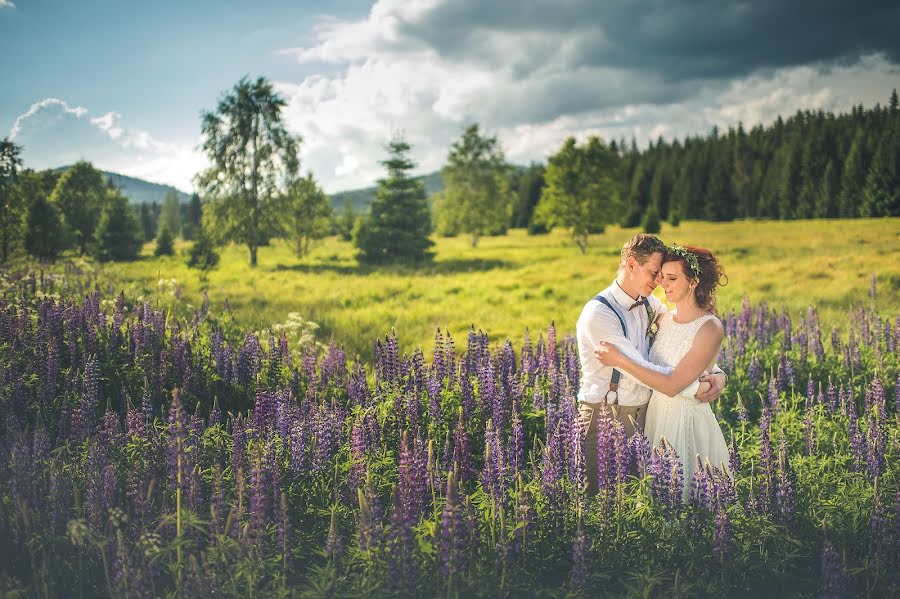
{"x": 145, "y": 455}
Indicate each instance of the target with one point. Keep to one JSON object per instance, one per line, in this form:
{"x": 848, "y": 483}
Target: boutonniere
{"x": 652, "y": 322}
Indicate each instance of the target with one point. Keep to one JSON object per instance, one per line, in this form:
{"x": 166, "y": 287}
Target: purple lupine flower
{"x": 856, "y": 441}
{"x": 700, "y": 496}
{"x": 875, "y": 442}
{"x": 357, "y": 453}
{"x": 369, "y": 527}
{"x": 879, "y": 535}
{"x": 734, "y": 456}
{"x": 461, "y": 455}
{"x": 809, "y": 433}
{"x": 753, "y": 371}
{"x": 467, "y": 395}
{"x": 785, "y": 484}
{"x": 412, "y": 475}
{"x": 834, "y": 572}
{"x": 453, "y": 535}
{"x": 580, "y": 558}
{"x": 773, "y": 396}
{"x": 493, "y": 474}
{"x": 721, "y": 533}
{"x": 401, "y": 543}
{"x": 552, "y": 471}
{"x": 260, "y": 513}
{"x": 639, "y": 449}
{"x": 766, "y": 465}
{"x": 516, "y": 442}
{"x": 334, "y": 547}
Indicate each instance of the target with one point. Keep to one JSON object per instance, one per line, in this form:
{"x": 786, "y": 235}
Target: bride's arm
{"x": 698, "y": 359}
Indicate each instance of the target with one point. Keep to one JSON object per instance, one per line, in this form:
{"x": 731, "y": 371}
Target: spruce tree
{"x": 399, "y": 223}
{"x": 118, "y": 233}
{"x": 164, "y": 242}
{"x": 853, "y": 178}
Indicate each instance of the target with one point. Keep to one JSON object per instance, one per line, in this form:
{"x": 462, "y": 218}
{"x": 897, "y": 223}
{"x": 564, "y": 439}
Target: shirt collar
{"x": 623, "y": 299}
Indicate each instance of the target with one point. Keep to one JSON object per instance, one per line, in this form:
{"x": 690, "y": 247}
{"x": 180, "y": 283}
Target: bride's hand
{"x": 609, "y": 354}
{"x": 702, "y": 389}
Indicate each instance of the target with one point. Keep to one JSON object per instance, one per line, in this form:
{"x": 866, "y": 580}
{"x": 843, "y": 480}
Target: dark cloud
{"x": 675, "y": 39}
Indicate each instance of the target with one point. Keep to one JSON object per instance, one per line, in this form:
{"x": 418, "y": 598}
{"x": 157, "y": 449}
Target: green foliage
{"x": 165, "y": 245}
{"x": 345, "y": 221}
{"x": 310, "y": 213}
{"x": 203, "y": 255}
{"x": 148, "y": 222}
{"x": 12, "y": 207}
{"x": 118, "y": 234}
{"x": 170, "y": 217}
{"x": 651, "y": 222}
{"x": 192, "y": 218}
{"x": 398, "y": 226}
{"x": 582, "y": 193}
{"x": 80, "y": 194}
{"x": 252, "y": 155}
{"x": 477, "y": 199}
{"x": 45, "y": 233}
{"x": 528, "y": 185}
{"x": 811, "y": 165}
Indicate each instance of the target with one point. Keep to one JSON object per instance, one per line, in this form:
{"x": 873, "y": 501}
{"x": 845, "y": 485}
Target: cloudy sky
{"x": 123, "y": 84}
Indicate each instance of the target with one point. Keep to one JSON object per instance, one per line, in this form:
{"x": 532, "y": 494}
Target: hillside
{"x": 361, "y": 198}
{"x": 139, "y": 191}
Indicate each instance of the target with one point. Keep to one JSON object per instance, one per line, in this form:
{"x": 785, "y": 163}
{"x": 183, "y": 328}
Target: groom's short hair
{"x": 641, "y": 246}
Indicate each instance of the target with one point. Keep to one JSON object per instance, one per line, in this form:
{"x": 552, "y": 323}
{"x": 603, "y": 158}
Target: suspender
{"x": 616, "y": 375}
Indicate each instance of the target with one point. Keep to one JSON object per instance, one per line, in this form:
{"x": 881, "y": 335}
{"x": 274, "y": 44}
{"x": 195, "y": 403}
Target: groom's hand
{"x": 717, "y": 385}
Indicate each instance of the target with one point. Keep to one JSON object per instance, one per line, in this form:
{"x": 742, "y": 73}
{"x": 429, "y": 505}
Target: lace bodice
{"x": 675, "y": 339}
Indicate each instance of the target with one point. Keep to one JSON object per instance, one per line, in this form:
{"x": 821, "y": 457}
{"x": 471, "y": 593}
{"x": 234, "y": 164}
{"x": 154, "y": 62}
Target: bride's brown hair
{"x": 706, "y": 270}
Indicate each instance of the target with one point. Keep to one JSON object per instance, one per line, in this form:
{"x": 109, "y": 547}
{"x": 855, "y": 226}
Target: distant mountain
{"x": 138, "y": 190}
{"x": 361, "y": 198}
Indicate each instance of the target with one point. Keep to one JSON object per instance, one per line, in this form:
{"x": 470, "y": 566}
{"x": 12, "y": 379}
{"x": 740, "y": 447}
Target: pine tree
{"x": 164, "y": 242}
{"x": 192, "y": 217}
{"x": 118, "y": 234}
{"x": 399, "y": 223}
{"x": 651, "y": 222}
{"x": 853, "y": 178}
{"x": 827, "y": 198}
{"x": 881, "y": 193}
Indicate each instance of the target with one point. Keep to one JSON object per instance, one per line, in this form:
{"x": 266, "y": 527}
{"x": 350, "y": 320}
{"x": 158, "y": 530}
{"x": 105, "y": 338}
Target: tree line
{"x": 812, "y": 165}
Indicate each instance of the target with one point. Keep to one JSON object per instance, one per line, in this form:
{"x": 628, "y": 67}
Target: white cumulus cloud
{"x": 420, "y": 67}
{"x": 53, "y": 133}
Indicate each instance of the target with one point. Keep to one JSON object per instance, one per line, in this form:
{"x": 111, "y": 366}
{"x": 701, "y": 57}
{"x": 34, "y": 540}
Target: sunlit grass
{"x": 508, "y": 283}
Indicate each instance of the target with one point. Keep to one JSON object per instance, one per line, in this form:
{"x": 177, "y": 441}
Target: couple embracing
{"x": 651, "y": 368}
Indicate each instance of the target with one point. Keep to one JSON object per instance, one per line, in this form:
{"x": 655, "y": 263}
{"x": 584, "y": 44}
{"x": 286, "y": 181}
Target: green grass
{"x": 516, "y": 281}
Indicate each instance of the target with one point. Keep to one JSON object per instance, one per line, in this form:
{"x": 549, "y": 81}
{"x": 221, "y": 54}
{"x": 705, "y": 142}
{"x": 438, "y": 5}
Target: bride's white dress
{"x": 687, "y": 424}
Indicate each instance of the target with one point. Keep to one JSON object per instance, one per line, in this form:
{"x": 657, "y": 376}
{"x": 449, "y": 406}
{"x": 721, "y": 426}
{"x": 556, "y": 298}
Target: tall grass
{"x": 516, "y": 281}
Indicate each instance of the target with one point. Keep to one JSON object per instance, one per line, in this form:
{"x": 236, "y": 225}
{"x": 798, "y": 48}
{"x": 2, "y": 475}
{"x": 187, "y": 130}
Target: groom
{"x": 621, "y": 314}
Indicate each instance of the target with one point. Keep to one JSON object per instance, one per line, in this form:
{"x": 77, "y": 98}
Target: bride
{"x": 688, "y": 340}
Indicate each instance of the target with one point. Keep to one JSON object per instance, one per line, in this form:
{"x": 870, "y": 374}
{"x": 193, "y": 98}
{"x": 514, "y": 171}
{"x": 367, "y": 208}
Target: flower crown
{"x": 689, "y": 257}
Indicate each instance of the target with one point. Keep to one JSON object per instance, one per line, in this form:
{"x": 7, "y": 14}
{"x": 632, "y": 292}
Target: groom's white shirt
{"x": 598, "y": 323}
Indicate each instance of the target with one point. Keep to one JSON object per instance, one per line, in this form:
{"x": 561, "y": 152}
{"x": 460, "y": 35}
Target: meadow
{"x": 509, "y": 283}
{"x": 152, "y": 445}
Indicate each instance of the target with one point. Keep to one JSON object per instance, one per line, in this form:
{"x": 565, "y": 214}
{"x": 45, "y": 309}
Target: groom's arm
{"x": 604, "y": 326}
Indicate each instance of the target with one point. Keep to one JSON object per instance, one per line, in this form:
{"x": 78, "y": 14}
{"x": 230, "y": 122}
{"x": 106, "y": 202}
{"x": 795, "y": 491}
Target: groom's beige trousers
{"x": 590, "y": 414}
